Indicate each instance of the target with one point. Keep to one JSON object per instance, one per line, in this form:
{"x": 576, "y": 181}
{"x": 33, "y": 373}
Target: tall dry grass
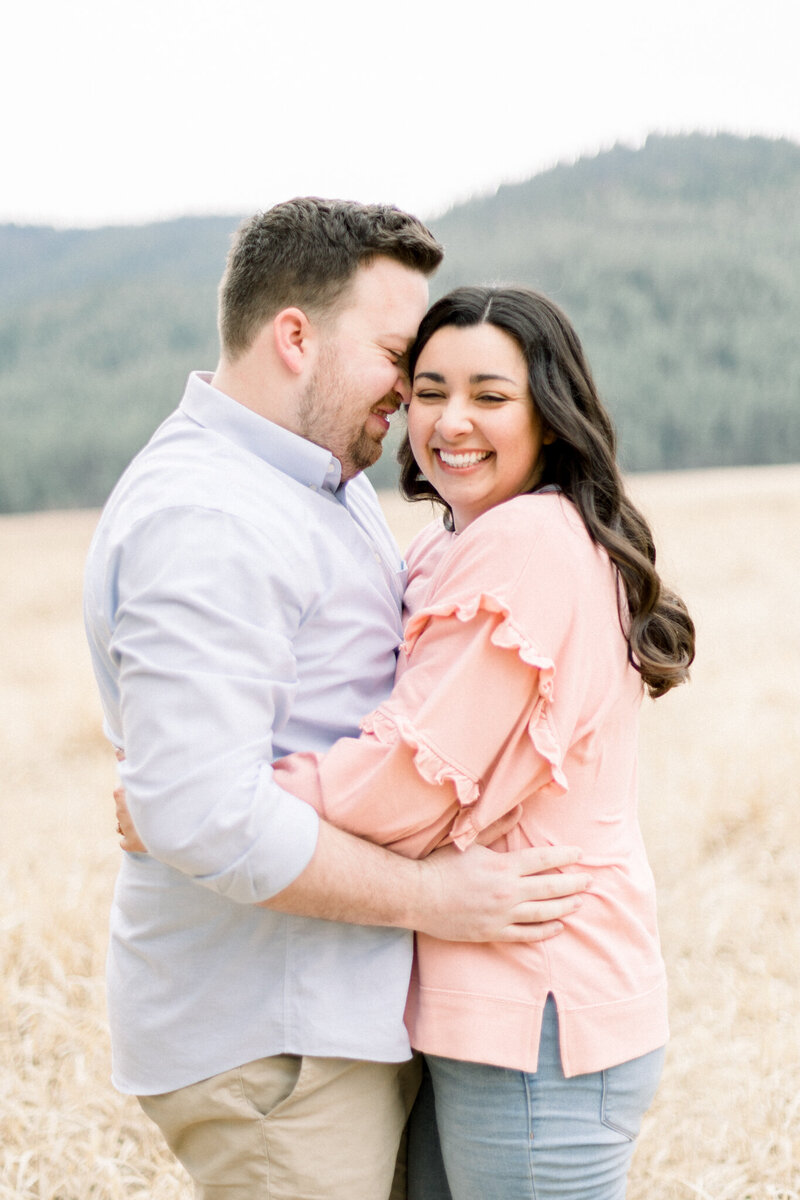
{"x": 719, "y": 804}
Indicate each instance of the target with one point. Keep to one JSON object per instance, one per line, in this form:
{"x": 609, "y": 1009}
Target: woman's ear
{"x": 292, "y": 334}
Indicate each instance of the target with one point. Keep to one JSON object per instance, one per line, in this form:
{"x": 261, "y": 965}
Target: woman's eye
{"x": 491, "y": 398}
{"x": 426, "y": 396}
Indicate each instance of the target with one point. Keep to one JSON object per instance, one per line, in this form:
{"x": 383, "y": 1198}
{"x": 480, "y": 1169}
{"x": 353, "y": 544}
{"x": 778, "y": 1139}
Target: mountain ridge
{"x": 679, "y": 263}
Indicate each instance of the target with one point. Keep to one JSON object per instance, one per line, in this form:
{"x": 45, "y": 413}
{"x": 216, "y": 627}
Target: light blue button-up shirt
{"x": 240, "y": 604}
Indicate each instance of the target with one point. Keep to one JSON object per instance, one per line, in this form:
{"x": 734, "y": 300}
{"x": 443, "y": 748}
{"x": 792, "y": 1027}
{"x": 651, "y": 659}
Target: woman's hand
{"x": 129, "y": 838}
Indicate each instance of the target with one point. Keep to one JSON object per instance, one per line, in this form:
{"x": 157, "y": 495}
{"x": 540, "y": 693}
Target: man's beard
{"x": 362, "y": 452}
{"x": 322, "y": 419}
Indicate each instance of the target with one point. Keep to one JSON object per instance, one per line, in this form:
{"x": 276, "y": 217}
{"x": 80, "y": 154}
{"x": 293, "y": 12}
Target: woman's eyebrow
{"x": 437, "y": 378}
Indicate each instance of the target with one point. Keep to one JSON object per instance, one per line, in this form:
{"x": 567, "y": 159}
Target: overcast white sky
{"x": 127, "y": 112}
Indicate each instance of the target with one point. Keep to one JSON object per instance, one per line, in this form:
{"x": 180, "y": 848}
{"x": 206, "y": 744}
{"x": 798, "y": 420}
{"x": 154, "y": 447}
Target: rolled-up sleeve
{"x": 203, "y": 611}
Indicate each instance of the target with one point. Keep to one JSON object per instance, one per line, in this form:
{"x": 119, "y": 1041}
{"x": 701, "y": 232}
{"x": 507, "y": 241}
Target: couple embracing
{"x": 249, "y": 613}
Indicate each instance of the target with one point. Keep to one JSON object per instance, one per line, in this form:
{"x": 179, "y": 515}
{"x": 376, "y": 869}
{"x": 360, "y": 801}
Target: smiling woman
{"x": 534, "y": 616}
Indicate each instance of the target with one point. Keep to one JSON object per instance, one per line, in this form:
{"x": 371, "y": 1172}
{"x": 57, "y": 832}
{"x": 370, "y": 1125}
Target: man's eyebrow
{"x": 395, "y": 336}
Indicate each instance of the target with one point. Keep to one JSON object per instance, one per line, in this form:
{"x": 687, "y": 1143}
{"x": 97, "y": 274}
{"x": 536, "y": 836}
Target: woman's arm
{"x": 447, "y": 755}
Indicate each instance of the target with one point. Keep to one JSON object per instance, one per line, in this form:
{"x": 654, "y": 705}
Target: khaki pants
{"x": 292, "y": 1128}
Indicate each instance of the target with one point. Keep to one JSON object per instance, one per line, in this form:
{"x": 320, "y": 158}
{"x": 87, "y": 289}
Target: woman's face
{"x": 472, "y": 424}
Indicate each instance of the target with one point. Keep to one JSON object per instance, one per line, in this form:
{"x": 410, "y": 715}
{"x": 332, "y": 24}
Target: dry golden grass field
{"x": 720, "y": 807}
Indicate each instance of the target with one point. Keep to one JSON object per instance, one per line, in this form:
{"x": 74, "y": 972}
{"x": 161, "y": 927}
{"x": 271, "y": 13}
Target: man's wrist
{"x": 415, "y": 895}
{"x": 423, "y": 894}
{"x": 355, "y": 881}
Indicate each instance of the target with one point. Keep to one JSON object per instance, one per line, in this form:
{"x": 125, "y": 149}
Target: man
{"x": 243, "y": 601}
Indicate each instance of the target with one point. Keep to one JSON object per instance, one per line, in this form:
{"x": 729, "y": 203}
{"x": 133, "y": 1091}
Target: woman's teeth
{"x": 462, "y": 460}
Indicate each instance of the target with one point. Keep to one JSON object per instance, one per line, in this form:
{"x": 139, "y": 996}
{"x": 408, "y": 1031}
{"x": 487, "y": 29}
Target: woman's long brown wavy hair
{"x": 581, "y": 462}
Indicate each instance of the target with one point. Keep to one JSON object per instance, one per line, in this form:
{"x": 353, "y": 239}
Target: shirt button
{"x": 313, "y": 487}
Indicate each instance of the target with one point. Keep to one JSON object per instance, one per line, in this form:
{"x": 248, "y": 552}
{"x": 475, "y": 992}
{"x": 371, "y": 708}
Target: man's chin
{"x": 362, "y": 454}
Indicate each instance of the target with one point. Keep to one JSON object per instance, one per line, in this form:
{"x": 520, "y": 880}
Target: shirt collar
{"x": 295, "y": 456}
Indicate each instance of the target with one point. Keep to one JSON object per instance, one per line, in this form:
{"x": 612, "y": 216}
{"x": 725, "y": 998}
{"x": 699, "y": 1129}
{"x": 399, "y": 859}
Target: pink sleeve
{"x": 463, "y": 739}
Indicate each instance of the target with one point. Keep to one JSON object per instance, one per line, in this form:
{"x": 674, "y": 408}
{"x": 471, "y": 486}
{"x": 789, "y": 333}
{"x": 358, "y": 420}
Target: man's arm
{"x": 474, "y": 896}
{"x": 201, "y": 636}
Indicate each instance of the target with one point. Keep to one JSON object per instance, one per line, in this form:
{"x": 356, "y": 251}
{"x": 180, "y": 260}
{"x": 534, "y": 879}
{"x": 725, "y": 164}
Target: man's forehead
{"x": 390, "y": 296}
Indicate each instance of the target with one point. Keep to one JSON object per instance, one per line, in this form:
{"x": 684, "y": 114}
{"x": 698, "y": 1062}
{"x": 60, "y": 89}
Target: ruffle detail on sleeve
{"x": 431, "y": 764}
{"x": 507, "y": 635}
{"x": 434, "y": 767}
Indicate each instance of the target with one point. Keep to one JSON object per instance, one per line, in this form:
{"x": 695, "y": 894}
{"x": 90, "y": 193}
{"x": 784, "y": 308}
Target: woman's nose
{"x": 454, "y": 420}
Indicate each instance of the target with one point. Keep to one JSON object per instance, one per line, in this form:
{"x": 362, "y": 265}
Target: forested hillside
{"x": 678, "y": 262}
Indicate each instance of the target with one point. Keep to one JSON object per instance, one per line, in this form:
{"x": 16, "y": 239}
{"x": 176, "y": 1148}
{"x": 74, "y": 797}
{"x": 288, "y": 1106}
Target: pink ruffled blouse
{"x": 513, "y": 689}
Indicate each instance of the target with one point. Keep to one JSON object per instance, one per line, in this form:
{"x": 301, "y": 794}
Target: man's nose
{"x": 403, "y": 388}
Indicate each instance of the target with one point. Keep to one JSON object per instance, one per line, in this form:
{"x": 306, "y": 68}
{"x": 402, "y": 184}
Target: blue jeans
{"x": 510, "y": 1135}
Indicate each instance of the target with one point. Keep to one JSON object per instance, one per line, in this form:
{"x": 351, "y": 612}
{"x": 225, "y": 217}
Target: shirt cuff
{"x": 280, "y": 853}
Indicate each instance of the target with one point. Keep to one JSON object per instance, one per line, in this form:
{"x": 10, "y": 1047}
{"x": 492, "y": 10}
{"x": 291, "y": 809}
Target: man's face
{"x": 360, "y": 378}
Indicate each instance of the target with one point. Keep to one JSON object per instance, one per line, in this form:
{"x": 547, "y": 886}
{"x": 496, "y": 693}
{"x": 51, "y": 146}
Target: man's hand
{"x": 481, "y": 895}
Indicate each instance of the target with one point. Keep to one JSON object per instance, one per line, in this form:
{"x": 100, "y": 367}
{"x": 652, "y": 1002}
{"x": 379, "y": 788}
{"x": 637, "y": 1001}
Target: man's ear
{"x": 292, "y": 334}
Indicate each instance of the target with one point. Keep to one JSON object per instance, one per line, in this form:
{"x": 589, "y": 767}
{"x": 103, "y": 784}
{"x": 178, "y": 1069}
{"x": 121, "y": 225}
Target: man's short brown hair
{"x": 304, "y": 253}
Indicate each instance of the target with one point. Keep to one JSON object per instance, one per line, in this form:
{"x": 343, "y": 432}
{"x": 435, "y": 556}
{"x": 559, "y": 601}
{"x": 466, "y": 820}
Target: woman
{"x": 535, "y": 619}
